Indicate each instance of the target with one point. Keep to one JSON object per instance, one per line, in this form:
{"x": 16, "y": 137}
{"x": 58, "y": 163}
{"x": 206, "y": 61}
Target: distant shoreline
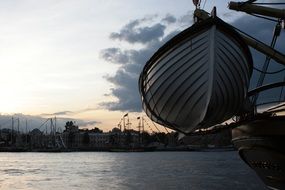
{"x": 122, "y": 149}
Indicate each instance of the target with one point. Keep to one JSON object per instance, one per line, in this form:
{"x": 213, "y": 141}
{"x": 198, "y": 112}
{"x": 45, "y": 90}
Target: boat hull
{"x": 198, "y": 79}
{"x": 261, "y": 143}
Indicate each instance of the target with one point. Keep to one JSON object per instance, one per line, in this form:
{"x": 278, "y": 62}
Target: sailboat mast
{"x": 128, "y": 124}
{"x": 18, "y": 125}
{"x": 124, "y": 123}
{"x": 55, "y": 123}
{"x": 139, "y": 127}
{"x": 26, "y": 132}
{"x": 12, "y": 130}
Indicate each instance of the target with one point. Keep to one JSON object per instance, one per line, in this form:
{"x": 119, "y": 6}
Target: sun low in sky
{"x": 81, "y": 59}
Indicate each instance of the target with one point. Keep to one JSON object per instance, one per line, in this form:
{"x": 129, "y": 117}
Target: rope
{"x": 44, "y": 123}
{"x": 264, "y": 68}
{"x": 166, "y": 129}
{"x": 269, "y": 72}
{"x": 263, "y": 17}
{"x": 155, "y": 126}
{"x": 153, "y": 131}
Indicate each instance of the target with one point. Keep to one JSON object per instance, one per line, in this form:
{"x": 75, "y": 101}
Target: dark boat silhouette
{"x": 197, "y": 79}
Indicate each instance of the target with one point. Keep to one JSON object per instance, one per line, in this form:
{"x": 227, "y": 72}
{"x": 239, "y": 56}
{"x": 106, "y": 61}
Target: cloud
{"x": 39, "y": 122}
{"x": 186, "y": 19}
{"x": 115, "y": 55}
{"x": 82, "y": 123}
{"x": 125, "y": 80}
{"x": 131, "y": 61}
{"x": 133, "y": 32}
{"x": 169, "y": 19}
{"x": 66, "y": 113}
{"x": 58, "y": 113}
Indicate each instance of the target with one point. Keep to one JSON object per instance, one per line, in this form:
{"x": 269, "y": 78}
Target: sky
{"x": 80, "y": 60}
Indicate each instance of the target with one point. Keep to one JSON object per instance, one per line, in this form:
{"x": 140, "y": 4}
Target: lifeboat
{"x": 197, "y": 79}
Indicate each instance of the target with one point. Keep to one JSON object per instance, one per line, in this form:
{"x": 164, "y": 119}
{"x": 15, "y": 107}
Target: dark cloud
{"x": 133, "y": 32}
{"x": 58, "y": 113}
{"x": 115, "y": 55}
{"x": 126, "y": 90}
{"x": 82, "y": 123}
{"x": 125, "y": 80}
{"x": 169, "y": 19}
{"x": 66, "y": 113}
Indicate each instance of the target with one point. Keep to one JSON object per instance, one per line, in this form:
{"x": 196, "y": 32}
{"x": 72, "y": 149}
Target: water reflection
{"x": 103, "y": 170}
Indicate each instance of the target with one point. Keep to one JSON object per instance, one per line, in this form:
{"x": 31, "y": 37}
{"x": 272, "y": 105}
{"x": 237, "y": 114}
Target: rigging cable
{"x": 266, "y": 64}
{"x": 269, "y": 72}
{"x": 44, "y": 123}
{"x": 263, "y": 17}
{"x": 155, "y": 126}
{"x": 152, "y": 131}
{"x": 273, "y": 43}
{"x": 166, "y": 129}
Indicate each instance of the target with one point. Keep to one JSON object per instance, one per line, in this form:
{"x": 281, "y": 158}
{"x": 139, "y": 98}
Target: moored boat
{"x": 197, "y": 79}
{"x": 260, "y": 142}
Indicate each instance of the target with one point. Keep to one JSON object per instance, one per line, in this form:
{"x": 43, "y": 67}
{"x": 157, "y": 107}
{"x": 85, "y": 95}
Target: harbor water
{"x": 144, "y": 170}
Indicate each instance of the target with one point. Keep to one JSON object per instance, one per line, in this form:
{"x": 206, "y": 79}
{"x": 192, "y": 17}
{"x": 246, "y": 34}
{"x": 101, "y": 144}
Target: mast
{"x": 124, "y": 124}
{"x": 142, "y": 129}
{"x": 12, "y": 130}
{"x": 126, "y": 115}
{"x": 142, "y": 125}
{"x": 55, "y": 123}
{"x": 128, "y": 124}
{"x": 255, "y": 9}
{"x": 51, "y": 126}
{"x": 139, "y": 127}
{"x": 26, "y": 131}
{"x": 26, "y": 126}
{"x": 18, "y": 125}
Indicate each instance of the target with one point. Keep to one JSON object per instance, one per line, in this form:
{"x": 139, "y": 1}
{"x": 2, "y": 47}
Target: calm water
{"x": 148, "y": 170}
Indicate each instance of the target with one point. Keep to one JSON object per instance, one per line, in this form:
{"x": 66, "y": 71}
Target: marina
{"x": 193, "y": 101}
